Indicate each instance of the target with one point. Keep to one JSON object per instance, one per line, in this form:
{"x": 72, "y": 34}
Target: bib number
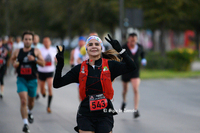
{"x": 1, "y": 61}
{"x": 26, "y": 71}
{"x": 48, "y": 64}
{"x": 97, "y": 102}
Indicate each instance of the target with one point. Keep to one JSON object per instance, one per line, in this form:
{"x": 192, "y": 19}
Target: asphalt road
{"x": 166, "y": 106}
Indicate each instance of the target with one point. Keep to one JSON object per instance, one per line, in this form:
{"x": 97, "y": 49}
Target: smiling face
{"x": 94, "y": 48}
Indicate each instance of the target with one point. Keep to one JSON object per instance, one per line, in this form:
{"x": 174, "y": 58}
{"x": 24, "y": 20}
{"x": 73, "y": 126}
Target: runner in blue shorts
{"x": 24, "y": 61}
{"x": 27, "y": 85}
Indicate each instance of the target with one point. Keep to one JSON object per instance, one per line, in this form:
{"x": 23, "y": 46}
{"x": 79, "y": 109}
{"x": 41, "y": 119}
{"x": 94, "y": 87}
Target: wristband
{"x": 122, "y": 51}
{"x": 36, "y": 59}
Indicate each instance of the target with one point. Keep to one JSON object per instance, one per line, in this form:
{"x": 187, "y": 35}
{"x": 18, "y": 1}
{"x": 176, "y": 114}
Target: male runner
{"x": 46, "y": 72}
{"x": 25, "y": 61}
{"x": 135, "y": 51}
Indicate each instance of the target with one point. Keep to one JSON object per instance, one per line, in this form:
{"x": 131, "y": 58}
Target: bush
{"x": 156, "y": 61}
{"x": 177, "y": 59}
{"x": 182, "y": 58}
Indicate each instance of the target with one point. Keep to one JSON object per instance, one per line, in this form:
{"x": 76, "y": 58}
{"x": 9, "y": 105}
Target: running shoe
{"x": 44, "y": 95}
{"x": 26, "y": 128}
{"x": 37, "y": 97}
{"x": 30, "y": 118}
{"x": 136, "y": 114}
{"x": 48, "y": 110}
{"x": 123, "y": 106}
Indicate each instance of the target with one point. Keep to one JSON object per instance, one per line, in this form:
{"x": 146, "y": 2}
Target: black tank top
{"x": 27, "y": 69}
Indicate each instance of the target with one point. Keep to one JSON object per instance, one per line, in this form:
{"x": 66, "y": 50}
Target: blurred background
{"x": 167, "y": 29}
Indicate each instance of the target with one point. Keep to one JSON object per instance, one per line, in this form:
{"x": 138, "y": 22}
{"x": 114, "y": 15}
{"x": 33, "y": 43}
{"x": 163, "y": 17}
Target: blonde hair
{"x": 111, "y": 55}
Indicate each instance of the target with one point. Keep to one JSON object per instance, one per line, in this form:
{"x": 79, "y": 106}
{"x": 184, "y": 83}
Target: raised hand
{"x": 60, "y": 54}
{"x": 115, "y": 44}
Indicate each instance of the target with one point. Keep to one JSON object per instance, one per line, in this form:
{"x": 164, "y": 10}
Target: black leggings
{"x": 2, "y": 73}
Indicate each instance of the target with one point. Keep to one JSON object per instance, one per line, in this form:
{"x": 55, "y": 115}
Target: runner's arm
{"x": 69, "y": 77}
{"x": 14, "y": 57}
{"x": 5, "y": 52}
{"x": 142, "y": 52}
{"x": 40, "y": 61}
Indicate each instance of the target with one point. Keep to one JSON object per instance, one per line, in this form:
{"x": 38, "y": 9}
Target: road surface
{"x": 166, "y": 106}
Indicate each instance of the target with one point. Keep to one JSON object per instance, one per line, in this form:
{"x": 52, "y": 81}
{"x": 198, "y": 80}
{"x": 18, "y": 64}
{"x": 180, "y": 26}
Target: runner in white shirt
{"x": 46, "y": 72}
{"x": 75, "y": 53}
{"x": 18, "y": 44}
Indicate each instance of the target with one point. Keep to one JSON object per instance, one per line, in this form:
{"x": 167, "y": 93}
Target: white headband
{"x": 95, "y": 38}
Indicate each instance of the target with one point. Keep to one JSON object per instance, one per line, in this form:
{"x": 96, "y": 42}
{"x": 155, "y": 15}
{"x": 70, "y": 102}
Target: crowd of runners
{"x": 93, "y": 68}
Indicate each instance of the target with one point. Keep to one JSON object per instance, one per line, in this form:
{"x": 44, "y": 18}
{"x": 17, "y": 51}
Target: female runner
{"x": 95, "y": 76}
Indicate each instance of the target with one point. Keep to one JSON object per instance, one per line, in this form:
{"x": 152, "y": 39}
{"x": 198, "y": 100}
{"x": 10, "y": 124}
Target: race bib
{"x": 25, "y": 70}
{"x": 47, "y": 63}
{"x": 97, "y": 102}
{"x": 1, "y": 61}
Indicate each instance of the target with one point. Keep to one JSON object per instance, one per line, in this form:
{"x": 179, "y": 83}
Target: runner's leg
{"x": 135, "y": 83}
{"x": 125, "y": 90}
{"x": 38, "y": 87}
{"x": 31, "y": 103}
{"x": 42, "y": 87}
{"x": 23, "y": 104}
{"x": 124, "y": 93}
{"x": 80, "y": 131}
{"x": 49, "y": 83}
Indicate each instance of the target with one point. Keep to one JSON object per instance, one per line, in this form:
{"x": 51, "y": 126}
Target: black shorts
{"x": 44, "y": 76}
{"x": 103, "y": 124}
{"x": 127, "y": 77}
{"x": 2, "y": 73}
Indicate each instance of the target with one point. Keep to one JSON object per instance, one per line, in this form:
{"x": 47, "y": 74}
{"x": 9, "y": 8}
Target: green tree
{"x": 59, "y": 18}
{"x": 161, "y": 14}
{"x": 192, "y": 11}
